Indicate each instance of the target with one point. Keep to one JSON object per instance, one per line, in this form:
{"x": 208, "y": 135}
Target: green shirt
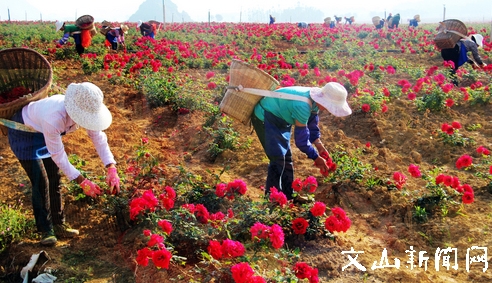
{"x": 288, "y": 110}
{"x": 71, "y": 28}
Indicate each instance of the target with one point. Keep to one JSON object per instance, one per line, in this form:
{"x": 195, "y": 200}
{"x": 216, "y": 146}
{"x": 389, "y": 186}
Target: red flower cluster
{"x": 318, "y": 209}
{"x": 161, "y": 257}
{"x": 399, "y": 179}
{"x": 228, "y": 249}
{"x": 146, "y": 202}
{"x": 274, "y": 233}
{"x": 464, "y": 161}
{"x": 483, "y": 150}
{"x": 454, "y": 182}
{"x": 338, "y": 222}
{"x": 166, "y": 226}
{"x": 167, "y": 198}
{"x": 332, "y": 167}
{"x": 303, "y": 271}
{"x": 277, "y": 196}
{"x": 300, "y": 225}
{"x": 366, "y": 108}
{"x": 414, "y": 171}
{"x": 13, "y": 94}
{"x": 231, "y": 189}
{"x": 243, "y": 273}
{"x": 309, "y": 184}
{"x": 449, "y": 129}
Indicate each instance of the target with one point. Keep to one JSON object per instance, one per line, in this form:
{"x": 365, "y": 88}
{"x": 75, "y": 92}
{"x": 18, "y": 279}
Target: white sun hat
{"x": 333, "y": 97}
{"x": 139, "y": 23}
{"x": 478, "y": 38}
{"x": 84, "y": 104}
{"x": 58, "y": 25}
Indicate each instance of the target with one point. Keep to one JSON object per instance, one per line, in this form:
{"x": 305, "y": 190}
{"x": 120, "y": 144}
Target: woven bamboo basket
{"x": 449, "y": 33}
{"x": 85, "y": 22}
{"x": 375, "y": 20}
{"x": 417, "y": 18}
{"x": 105, "y": 27}
{"x": 327, "y": 20}
{"x": 238, "y": 104}
{"x": 22, "y": 67}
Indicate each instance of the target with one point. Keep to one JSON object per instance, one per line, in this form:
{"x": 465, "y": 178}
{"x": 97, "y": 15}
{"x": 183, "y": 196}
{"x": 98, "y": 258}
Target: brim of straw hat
{"x": 337, "y": 108}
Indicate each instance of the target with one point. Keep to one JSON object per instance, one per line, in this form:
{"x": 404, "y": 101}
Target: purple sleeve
{"x": 64, "y": 39}
{"x": 301, "y": 137}
{"x": 313, "y": 127}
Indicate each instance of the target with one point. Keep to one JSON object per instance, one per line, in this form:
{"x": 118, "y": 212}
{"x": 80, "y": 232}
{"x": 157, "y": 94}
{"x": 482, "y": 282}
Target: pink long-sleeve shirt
{"x": 49, "y": 117}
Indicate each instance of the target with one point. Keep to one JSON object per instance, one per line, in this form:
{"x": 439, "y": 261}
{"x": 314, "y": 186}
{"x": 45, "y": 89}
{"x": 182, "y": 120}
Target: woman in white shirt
{"x": 42, "y": 153}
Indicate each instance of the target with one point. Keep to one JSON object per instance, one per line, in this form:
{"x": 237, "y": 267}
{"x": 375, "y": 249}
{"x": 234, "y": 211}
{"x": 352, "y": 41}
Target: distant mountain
{"x": 153, "y": 10}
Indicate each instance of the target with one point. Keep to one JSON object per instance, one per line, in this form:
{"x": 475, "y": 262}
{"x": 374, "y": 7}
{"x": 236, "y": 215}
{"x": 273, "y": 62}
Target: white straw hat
{"x": 333, "y": 96}
{"x": 478, "y": 38}
{"x": 124, "y": 28}
{"x": 58, "y": 25}
{"x": 139, "y": 24}
{"x": 84, "y": 104}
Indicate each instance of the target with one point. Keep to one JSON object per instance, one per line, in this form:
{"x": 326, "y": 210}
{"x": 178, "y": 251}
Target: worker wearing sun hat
{"x": 147, "y": 29}
{"x": 43, "y": 151}
{"x": 273, "y": 119}
{"x": 70, "y": 31}
{"x": 116, "y": 36}
{"x": 459, "y": 54}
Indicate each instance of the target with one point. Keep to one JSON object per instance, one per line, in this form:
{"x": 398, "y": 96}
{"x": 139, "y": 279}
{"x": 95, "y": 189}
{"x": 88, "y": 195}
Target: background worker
{"x": 116, "y": 37}
{"x": 459, "y": 54}
{"x": 70, "y": 31}
{"x": 147, "y": 29}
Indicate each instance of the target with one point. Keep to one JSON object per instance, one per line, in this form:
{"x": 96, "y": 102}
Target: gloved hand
{"x": 113, "y": 180}
{"x": 90, "y": 189}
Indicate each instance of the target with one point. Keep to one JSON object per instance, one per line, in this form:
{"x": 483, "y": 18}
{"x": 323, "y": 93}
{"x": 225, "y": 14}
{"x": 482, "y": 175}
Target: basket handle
{"x": 452, "y": 31}
{"x": 268, "y": 93}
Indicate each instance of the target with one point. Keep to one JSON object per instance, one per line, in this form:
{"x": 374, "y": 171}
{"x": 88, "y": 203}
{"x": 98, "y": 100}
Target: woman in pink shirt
{"x": 42, "y": 154}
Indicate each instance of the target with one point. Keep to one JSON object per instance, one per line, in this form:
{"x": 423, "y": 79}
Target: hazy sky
{"x": 231, "y": 11}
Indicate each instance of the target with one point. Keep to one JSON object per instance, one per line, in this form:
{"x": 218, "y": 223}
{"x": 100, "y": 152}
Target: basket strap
{"x": 16, "y": 126}
{"x": 275, "y": 94}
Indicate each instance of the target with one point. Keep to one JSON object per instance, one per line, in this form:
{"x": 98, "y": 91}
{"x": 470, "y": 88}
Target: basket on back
{"x": 417, "y": 18}
{"x": 238, "y": 104}
{"x": 22, "y": 68}
{"x": 449, "y": 33}
{"x": 105, "y": 27}
{"x": 85, "y": 22}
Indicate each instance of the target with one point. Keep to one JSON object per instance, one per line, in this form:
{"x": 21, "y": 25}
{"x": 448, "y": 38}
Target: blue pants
{"x": 274, "y": 134}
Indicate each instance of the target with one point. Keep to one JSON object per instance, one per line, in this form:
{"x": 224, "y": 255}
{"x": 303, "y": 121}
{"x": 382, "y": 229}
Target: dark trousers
{"x": 47, "y": 203}
{"x": 274, "y": 134}
{"x": 78, "y": 43}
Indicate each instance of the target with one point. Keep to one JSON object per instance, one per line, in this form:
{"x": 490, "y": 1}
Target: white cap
{"x": 58, "y": 25}
{"x": 139, "y": 23}
{"x": 478, "y": 38}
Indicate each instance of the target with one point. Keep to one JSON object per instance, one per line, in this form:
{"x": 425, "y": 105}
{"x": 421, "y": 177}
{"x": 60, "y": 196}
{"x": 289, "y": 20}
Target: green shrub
{"x": 14, "y": 224}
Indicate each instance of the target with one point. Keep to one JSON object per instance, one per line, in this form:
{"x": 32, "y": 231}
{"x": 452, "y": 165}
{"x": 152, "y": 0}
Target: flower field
{"x": 407, "y": 199}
